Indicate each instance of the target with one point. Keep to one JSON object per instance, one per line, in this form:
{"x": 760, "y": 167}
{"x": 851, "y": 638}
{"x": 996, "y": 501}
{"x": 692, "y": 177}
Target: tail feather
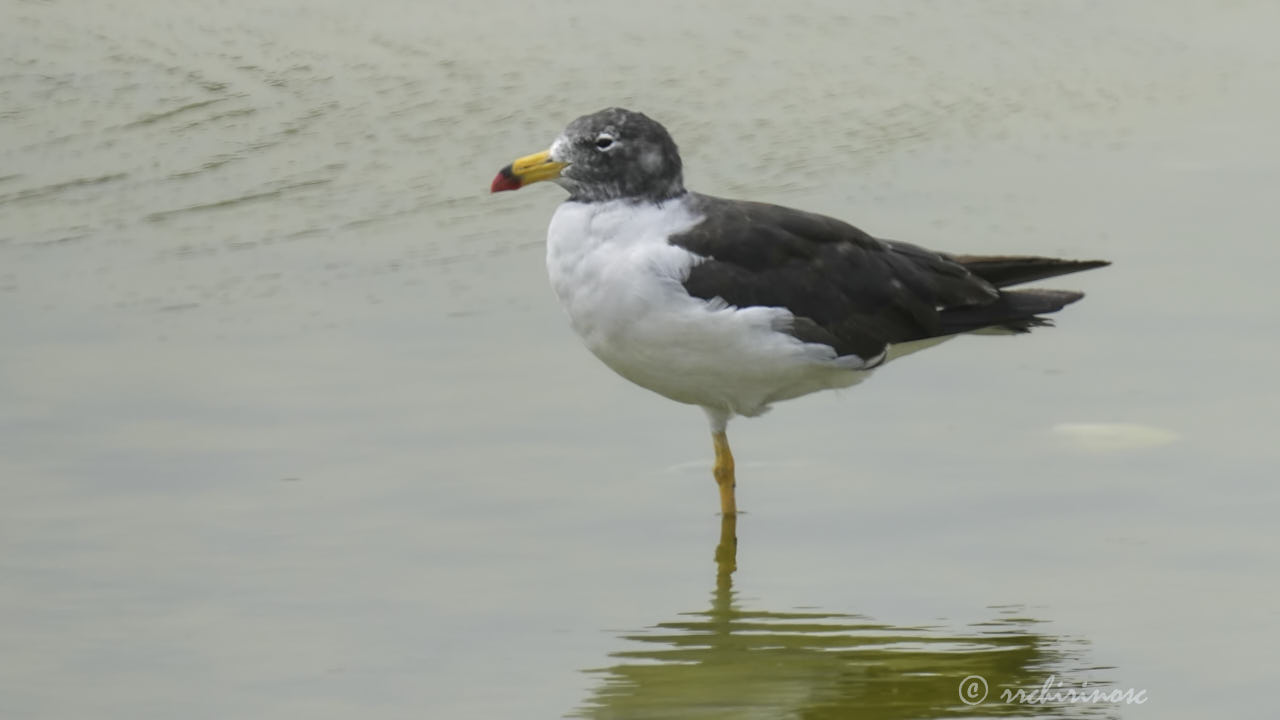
{"x": 1005, "y": 270}
{"x": 1014, "y": 311}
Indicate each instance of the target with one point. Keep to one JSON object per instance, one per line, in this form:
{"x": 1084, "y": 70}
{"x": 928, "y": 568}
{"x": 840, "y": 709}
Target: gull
{"x": 733, "y": 305}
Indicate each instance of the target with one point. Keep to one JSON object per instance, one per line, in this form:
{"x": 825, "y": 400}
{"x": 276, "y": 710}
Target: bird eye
{"x": 604, "y": 142}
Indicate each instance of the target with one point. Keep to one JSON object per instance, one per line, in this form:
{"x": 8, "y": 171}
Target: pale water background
{"x": 291, "y": 426}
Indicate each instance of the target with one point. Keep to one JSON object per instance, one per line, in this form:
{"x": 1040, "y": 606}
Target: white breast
{"x": 621, "y": 283}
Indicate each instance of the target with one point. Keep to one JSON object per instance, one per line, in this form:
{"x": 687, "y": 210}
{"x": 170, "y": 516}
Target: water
{"x": 292, "y": 427}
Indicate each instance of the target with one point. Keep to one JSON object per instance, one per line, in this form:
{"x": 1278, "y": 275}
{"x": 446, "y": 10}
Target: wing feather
{"x": 845, "y": 287}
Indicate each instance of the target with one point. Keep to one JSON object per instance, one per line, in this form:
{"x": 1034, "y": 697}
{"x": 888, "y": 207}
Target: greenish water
{"x": 291, "y": 426}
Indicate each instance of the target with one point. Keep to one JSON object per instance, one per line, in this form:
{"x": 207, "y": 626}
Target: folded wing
{"x": 855, "y": 292}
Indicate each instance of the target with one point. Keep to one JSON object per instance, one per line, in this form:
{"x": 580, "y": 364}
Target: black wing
{"x": 852, "y": 291}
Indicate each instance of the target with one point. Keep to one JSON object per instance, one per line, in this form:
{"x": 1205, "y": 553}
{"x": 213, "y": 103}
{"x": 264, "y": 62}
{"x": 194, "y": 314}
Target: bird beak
{"x": 528, "y": 169}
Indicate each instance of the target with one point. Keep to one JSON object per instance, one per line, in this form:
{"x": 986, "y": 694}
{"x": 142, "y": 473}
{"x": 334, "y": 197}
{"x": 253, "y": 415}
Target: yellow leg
{"x": 723, "y": 471}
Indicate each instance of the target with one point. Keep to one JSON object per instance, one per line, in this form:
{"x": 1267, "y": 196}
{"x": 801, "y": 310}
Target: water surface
{"x": 291, "y": 427}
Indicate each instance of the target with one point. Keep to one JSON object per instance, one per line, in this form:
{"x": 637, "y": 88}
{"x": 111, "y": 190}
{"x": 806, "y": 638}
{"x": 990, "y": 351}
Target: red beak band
{"x": 505, "y": 180}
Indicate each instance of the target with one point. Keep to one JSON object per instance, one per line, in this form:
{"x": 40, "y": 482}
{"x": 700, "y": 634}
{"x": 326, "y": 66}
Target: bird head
{"x": 608, "y": 155}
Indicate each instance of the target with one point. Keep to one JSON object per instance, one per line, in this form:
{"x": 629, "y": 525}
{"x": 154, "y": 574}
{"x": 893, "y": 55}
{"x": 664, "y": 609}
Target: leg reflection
{"x": 727, "y": 551}
{"x": 734, "y": 661}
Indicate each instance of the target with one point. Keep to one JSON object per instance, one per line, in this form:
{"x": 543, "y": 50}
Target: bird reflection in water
{"x": 731, "y": 662}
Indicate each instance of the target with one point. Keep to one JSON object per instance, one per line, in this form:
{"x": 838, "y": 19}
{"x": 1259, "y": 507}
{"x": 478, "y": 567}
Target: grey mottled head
{"x": 618, "y": 154}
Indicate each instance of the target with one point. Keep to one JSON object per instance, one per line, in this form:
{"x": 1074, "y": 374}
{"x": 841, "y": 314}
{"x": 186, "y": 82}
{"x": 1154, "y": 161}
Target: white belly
{"x": 620, "y": 282}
